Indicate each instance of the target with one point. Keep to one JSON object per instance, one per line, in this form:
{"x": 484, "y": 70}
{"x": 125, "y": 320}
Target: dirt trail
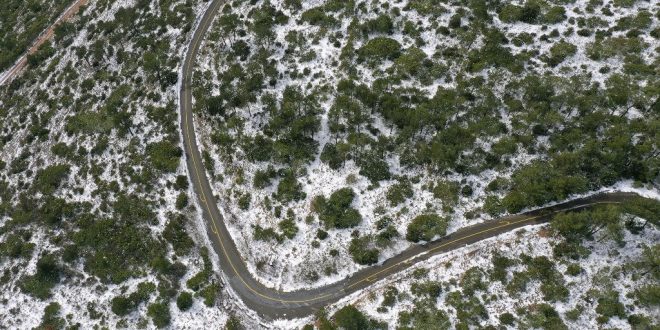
{"x": 72, "y": 10}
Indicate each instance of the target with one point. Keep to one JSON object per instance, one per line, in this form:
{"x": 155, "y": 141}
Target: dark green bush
{"x": 181, "y": 201}
{"x": 425, "y": 227}
{"x": 160, "y": 314}
{"x": 48, "y": 179}
{"x": 184, "y": 301}
{"x": 265, "y": 234}
{"x": 288, "y": 228}
{"x": 336, "y": 212}
{"x": 399, "y": 193}
{"x": 361, "y": 251}
{"x": 559, "y": 52}
{"x": 164, "y": 155}
{"x": 380, "y": 48}
{"x": 289, "y": 189}
{"x": 244, "y": 201}
{"x": 316, "y": 16}
{"x": 44, "y": 52}
{"x": 374, "y": 168}
{"x": 176, "y": 234}
{"x": 262, "y": 179}
{"x": 350, "y": 318}
{"x": 381, "y": 24}
{"x": 121, "y": 305}
{"x": 46, "y": 277}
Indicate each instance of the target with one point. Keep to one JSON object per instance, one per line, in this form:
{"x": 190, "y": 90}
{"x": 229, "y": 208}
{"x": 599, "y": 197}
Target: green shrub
{"x": 175, "y": 233}
{"x": 384, "y": 238}
{"x": 164, "y": 155}
{"x": 554, "y": 15}
{"x": 425, "y": 227}
{"x": 17, "y": 245}
{"x": 51, "y": 318}
{"x": 62, "y": 149}
{"x": 493, "y": 206}
{"x": 573, "y": 269}
{"x": 380, "y": 48}
{"x": 559, "y": 52}
{"x": 210, "y": 294}
{"x": 624, "y": 3}
{"x": 614, "y": 46}
{"x": 48, "y": 179}
{"x": 184, "y": 301}
{"x": 181, "y": 201}
{"x": 44, "y": 52}
{"x": 648, "y": 295}
{"x": 361, "y": 252}
{"x": 412, "y": 63}
{"x": 381, "y": 24}
{"x": 336, "y": 212}
{"x": 332, "y": 156}
{"x": 472, "y": 281}
{"x": 316, "y": 16}
{"x": 447, "y": 191}
{"x": 46, "y": 277}
{"x": 500, "y": 264}
{"x": 428, "y": 289}
{"x": 265, "y": 234}
{"x": 160, "y": 314}
{"x": 507, "y": 318}
{"x": 117, "y": 257}
{"x": 509, "y": 13}
{"x": 289, "y": 189}
{"x": 425, "y": 315}
{"x": 288, "y": 228}
{"x": 215, "y": 106}
{"x": 399, "y": 193}
{"x": 390, "y": 296}
{"x": 233, "y": 323}
{"x": 181, "y": 182}
{"x": 262, "y": 179}
{"x": 539, "y": 183}
{"x": 544, "y": 316}
{"x": 89, "y": 123}
{"x": 244, "y": 201}
{"x": 350, "y": 318}
{"x": 610, "y": 306}
{"x": 121, "y": 305}
{"x": 374, "y": 168}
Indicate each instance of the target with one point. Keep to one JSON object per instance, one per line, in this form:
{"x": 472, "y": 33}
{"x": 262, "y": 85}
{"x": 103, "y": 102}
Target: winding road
{"x": 273, "y": 304}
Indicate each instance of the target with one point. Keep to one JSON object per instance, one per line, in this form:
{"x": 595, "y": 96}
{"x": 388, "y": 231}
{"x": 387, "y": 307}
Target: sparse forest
{"x": 335, "y": 134}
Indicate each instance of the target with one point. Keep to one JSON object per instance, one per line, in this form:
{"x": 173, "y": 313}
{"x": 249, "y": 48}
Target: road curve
{"x": 271, "y": 303}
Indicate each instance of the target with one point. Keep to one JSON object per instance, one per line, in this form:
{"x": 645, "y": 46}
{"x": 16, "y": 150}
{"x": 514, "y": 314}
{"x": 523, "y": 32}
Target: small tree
{"x": 184, "y": 301}
{"x": 160, "y": 314}
{"x": 336, "y": 212}
{"x": 425, "y": 227}
{"x": 350, "y": 318}
{"x": 362, "y": 252}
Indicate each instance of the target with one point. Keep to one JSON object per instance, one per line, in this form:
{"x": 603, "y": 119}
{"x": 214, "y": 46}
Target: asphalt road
{"x": 271, "y": 303}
